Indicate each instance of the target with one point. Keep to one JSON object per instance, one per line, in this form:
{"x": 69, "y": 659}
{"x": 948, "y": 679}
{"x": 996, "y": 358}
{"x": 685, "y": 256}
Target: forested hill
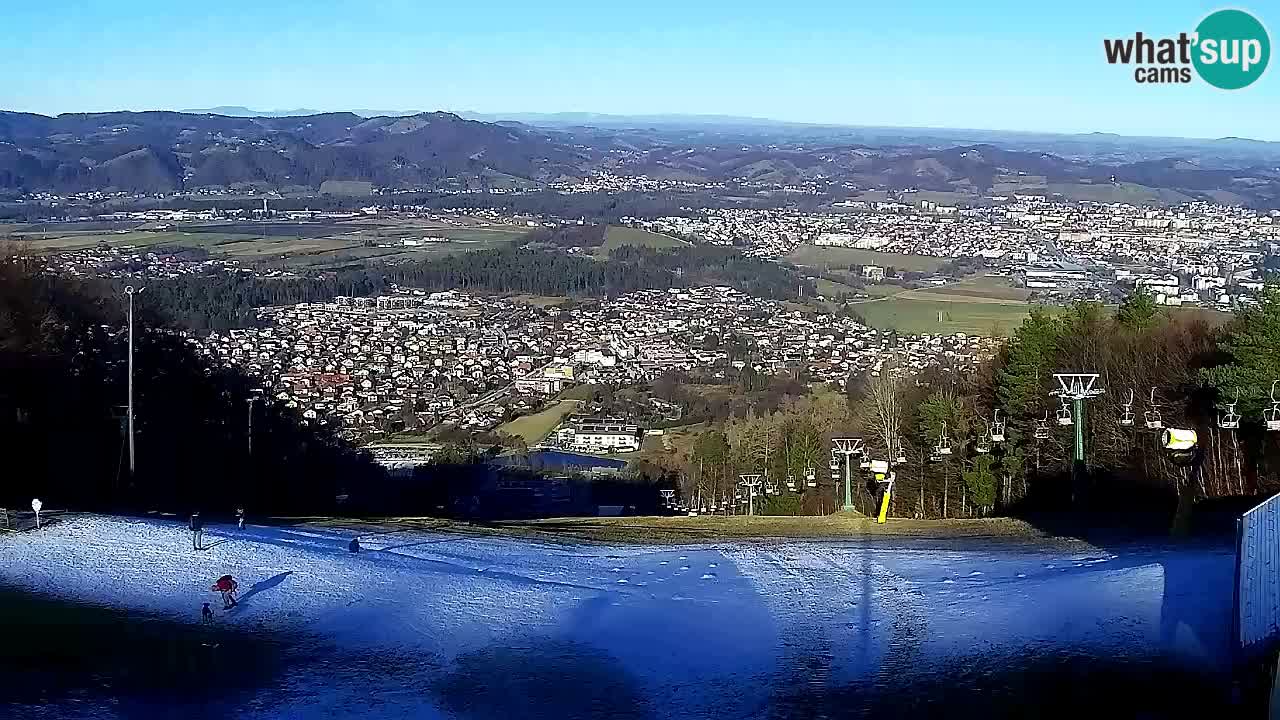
{"x": 63, "y": 379}
{"x": 230, "y": 300}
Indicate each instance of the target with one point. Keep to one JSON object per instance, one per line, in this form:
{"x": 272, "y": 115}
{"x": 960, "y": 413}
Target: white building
{"x": 599, "y": 435}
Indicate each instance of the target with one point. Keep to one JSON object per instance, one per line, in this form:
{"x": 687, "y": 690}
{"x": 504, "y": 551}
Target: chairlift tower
{"x": 847, "y": 447}
{"x": 1077, "y": 387}
{"x": 750, "y": 482}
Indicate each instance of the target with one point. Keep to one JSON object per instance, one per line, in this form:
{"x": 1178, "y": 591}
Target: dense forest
{"x": 230, "y": 300}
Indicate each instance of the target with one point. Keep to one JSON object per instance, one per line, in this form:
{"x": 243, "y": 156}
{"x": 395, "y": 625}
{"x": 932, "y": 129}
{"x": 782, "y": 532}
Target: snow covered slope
{"x": 687, "y": 631}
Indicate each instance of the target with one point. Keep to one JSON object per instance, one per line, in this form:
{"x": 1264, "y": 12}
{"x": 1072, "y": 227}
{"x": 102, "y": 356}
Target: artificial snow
{"x": 717, "y": 617}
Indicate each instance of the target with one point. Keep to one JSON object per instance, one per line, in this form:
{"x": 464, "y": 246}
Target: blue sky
{"x": 992, "y": 64}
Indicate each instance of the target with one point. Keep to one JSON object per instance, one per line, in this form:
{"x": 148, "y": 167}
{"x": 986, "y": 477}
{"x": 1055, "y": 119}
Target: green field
{"x": 914, "y": 315}
{"x": 290, "y": 245}
{"x": 535, "y": 427}
{"x": 616, "y": 236}
{"x": 827, "y": 257}
{"x": 992, "y": 287}
{"x": 830, "y": 288}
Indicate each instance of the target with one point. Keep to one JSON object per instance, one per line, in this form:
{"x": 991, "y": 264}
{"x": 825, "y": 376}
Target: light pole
{"x": 847, "y": 447}
{"x": 750, "y": 482}
{"x": 133, "y": 463}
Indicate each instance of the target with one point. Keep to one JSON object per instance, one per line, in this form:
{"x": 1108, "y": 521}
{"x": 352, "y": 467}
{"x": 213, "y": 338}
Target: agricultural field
{"x": 617, "y": 236}
{"x": 535, "y": 427}
{"x": 828, "y": 257}
{"x": 983, "y": 286}
{"x": 918, "y": 313}
{"x": 830, "y": 288}
{"x": 295, "y": 245}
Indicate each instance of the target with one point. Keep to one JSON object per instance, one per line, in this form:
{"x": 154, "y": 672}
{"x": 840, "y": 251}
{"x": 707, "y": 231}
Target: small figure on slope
{"x": 206, "y": 615}
{"x": 240, "y": 518}
{"x": 196, "y": 524}
{"x": 226, "y": 585}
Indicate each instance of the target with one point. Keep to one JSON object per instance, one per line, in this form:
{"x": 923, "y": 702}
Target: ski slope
{"x": 468, "y": 625}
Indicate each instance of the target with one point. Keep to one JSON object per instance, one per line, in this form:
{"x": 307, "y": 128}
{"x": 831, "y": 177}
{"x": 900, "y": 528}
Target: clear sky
{"x": 992, "y": 64}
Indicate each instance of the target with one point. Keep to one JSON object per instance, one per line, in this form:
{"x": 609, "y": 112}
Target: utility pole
{"x": 133, "y": 462}
{"x": 251, "y": 401}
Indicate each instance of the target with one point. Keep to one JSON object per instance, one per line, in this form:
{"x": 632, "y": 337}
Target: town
{"x": 415, "y": 360}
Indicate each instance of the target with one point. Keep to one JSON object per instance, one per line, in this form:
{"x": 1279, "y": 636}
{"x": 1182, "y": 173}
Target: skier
{"x": 197, "y": 530}
{"x": 354, "y": 546}
{"x": 240, "y": 518}
{"x": 226, "y": 585}
{"x": 206, "y": 615}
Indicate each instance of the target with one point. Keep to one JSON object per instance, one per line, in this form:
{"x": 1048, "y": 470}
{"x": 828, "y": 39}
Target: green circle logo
{"x": 1232, "y": 50}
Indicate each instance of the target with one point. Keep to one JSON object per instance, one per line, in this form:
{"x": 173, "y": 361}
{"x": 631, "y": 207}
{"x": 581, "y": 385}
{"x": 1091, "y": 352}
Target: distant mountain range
{"x": 165, "y": 152}
{"x": 161, "y": 151}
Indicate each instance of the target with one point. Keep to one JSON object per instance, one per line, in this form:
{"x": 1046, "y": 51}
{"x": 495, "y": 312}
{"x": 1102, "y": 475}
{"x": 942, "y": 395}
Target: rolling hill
{"x": 168, "y": 152}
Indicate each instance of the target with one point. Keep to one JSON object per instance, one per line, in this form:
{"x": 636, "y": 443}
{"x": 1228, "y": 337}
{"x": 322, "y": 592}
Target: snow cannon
{"x": 1178, "y": 439}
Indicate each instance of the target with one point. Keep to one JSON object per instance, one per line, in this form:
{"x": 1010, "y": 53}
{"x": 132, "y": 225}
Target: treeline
{"x": 600, "y": 208}
{"x": 63, "y": 376}
{"x": 206, "y": 439}
{"x": 567, "y": 236}
{"x": 700, "y": 265}
{"x": 1196, "y": 371}
{"x": 230, "y": 300}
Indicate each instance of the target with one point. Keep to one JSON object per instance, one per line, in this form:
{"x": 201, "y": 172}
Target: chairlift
{"x": 1042, "y": 427}
{"x": 983, "y": 447}
{"x": 1064, "y": 416}
{"x": 1231, "y": 420}
{"x": 791, "y": 482}
{"x": 810, "y": 477}
{"x": 944, "y": 443}
{"x": 865, "y": 464}
{"x": 997, "y": 427}
{"x": 1152, "y": 417}
{"x": 1271, "y": 416}
{"x": 1126, "y": 417}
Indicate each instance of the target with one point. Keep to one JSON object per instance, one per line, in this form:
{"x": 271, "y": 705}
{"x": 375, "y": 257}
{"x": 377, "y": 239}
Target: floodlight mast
{"x": 1077, "y": 387}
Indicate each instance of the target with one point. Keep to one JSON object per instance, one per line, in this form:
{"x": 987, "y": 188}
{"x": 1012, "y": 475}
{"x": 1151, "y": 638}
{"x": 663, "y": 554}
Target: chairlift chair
{"x": 1042, "y": 427}
{"x": 865, "y": 464}
{"x": 1272, "y": 414}
{"x": 1126, "y": 412}
{"x": 997, "y": 428}
{"x": 810, "y": 477}
{"x": 1152, "y": 417}
{"x": 983, "y": 447}
{"x": 1231, "y": 420}
{"x": 1064, "y": 416}
{"x": 1272, "y": 417}
{"x": 791, "y": 482}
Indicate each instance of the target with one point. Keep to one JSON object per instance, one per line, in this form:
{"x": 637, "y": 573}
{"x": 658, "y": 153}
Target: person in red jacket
{"x": 227, "y": 586}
